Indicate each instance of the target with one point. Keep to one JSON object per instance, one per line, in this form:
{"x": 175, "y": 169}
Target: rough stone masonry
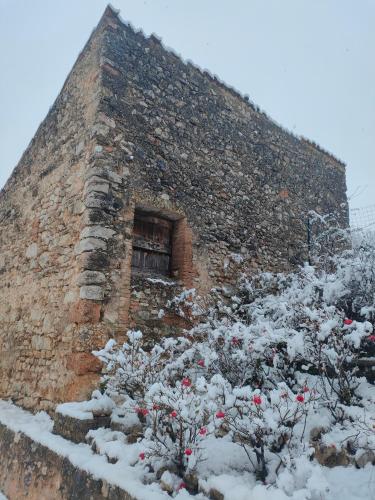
{"x": 147, "y": 176}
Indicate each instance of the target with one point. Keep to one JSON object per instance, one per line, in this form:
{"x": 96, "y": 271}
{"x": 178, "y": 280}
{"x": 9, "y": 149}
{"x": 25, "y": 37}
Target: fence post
{"x": 308, "y": 227}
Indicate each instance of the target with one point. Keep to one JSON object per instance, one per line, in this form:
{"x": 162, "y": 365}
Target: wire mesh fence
{"x": 325, "y": 235}
{"x": 363, "y": 219}
{"x": 362, "y": 223}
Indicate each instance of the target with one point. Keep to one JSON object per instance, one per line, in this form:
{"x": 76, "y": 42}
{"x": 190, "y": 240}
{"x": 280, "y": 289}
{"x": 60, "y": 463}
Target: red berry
{"x": 235, "y": 341}
{"x": 305, "y": 389}
{"x": 173, "y": 414}
{"x": 371, "y": 338}
{"x": 139, "y": 410}
{"x": 155, "y": 407}
{"x": 300, "y": 398}
{"x": 181, "y": 486}
{"x": 348, "y": 321}
{"x": 220, "y": 414}
{"x": 142, "y": 411}
{"x": 142, "y": 456}
{"x": 203, "y": 431}
{"x": 257, "y": 400}
{"x": 188, "y": 452}
{"x": 186, "y": 382}
{"x": 201, "y": 362}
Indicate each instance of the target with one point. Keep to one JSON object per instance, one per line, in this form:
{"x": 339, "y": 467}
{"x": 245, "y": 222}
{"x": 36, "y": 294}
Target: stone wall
{"x": 35, "y": 472}
{"x": 40, "y": 221}
{"x": 148, "y": 311}
{"x": 194, "y": 150}
{"x": 136, "y": 128}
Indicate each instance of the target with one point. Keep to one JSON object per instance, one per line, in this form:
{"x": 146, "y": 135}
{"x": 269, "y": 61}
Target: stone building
{"x": 146, "y": 177}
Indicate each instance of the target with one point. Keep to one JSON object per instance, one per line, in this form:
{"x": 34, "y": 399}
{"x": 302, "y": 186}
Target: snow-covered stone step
{"x": 37, "y": 464}
{"x": 76, "y": 429}
{"x": 74, "y": 420}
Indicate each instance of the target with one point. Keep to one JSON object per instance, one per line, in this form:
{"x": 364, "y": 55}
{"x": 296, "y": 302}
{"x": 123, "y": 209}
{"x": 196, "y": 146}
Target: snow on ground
{"x": 2, "y": 497}
{"x": 39, "y": 428}
{"x": 345, "y": 483}
{"x": 348, "y": 483}
{"x": 99, "y": 405}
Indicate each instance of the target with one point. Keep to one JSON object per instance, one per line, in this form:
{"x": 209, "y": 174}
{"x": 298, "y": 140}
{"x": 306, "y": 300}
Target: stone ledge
{"x": 33, "y": 471}
{"x": 74, "y": 429}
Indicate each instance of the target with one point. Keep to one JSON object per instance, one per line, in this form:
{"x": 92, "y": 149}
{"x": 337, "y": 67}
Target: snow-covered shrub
{"x": 327, "y": 239}
{"x": 281, "y": 325}
{"x": 178, "y": 421}
{"x": 187, "y": 305}
{"x": 267, "y": 424}
{"x": 131, "y": 370}
{"x": 186, "y": 397}
{"x": 261, "y": 370}
{"x": 158, "y": 391}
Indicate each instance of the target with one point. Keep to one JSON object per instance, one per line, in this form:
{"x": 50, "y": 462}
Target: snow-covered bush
{"x": 177, "y": 425}
{"x": 265, "y": 425}
{"x": 310, "y": 321}
{"x": 191, "y": 400}
{"x": 131, "y": 370}
{"x": 327, "y": 238}
{"x": 262, "y": 369}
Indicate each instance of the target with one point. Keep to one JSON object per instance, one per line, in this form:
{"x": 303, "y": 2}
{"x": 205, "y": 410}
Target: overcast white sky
{"x": 310, "y": 64}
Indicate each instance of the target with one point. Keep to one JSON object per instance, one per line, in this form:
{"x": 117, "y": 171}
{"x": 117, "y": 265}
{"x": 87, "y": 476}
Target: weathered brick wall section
{"x": 136, "y": 128}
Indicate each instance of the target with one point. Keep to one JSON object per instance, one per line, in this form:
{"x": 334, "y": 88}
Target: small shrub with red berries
{"x": 260, "y": 370}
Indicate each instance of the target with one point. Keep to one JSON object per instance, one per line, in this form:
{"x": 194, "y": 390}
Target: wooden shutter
{"x": 152, "y": 244}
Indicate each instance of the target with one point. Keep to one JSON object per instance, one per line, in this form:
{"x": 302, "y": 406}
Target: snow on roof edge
{"x": 216, "y": 79}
